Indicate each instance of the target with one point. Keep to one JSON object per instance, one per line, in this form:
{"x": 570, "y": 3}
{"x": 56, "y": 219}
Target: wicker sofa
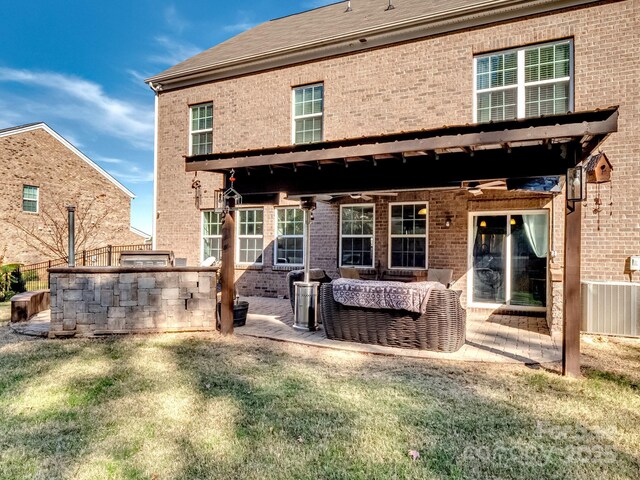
{"x": 441, "y": 328}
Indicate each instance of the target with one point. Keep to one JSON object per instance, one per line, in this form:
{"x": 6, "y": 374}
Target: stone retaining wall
{"x": 95, "y": 301}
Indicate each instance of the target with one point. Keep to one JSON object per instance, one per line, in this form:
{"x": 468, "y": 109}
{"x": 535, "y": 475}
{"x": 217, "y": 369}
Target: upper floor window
{"x": 408, "y": 235}
{"x": 289, "y": 244}
{"x": 201, "y": 132}
{"x": 307, "y": 113}
{"x": 357, "y": 224}
{"x": 250, "y": 235}
{"x": 30, "y": 198}
{"x": 527, "y": 82}
{"x": 211, "y": 235}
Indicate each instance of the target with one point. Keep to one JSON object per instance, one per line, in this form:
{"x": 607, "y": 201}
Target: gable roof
{"x": 332, "y": 30}
{"x": 41, "y": 125}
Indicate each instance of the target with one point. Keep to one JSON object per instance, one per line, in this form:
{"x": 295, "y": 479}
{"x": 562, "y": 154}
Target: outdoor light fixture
{"x": 447, "y": 222}
{"x": 575, "y": 185}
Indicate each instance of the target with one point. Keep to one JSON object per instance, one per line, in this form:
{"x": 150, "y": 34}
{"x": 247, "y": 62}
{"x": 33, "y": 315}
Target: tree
{"x": 48, "y": 231}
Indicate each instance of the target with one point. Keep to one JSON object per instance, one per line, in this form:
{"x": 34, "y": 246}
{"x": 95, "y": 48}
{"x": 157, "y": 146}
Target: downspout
{"x": 154, "y": 242}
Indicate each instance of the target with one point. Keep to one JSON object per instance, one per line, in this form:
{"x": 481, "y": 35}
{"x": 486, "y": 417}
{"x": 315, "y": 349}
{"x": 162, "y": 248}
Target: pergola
{"x": 427, "y": 159}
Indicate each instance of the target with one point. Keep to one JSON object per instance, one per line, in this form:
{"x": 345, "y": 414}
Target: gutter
{"x": 482, "y": 13}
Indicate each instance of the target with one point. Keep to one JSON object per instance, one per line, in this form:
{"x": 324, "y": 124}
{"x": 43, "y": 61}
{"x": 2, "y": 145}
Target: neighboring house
{"x": 40, "y": 172}
{"x": 336, "y": 73}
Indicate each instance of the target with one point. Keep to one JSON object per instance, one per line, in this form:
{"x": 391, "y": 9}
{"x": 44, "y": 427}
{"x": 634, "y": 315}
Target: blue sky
{"x": 79, "y": 66}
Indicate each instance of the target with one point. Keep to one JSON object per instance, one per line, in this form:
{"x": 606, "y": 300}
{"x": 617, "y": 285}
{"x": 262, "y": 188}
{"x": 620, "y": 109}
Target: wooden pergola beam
{"x": 437, "y": 140}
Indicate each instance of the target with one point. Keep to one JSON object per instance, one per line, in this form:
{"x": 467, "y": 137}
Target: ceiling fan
{"x": 369, "y": 195}
{"x": 476, "y": 188}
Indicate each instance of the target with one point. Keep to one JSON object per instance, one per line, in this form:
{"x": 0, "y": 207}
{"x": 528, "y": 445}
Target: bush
{"x": 11, "y": 281}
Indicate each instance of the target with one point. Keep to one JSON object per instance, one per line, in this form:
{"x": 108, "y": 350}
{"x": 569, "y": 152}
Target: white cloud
{"x": 125, "y": 170}
{"x": 81, "y": 100}
{"x": 174, "y": 20}
{"x": 238, "y": 27}
{"x": 173, "y": 51}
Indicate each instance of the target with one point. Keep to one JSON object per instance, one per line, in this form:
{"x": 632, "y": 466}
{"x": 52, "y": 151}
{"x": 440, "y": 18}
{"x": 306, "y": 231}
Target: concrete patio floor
{"x": 490, "y": 338}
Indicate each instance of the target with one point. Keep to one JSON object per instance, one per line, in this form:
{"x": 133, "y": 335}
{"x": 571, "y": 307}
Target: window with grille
{"x": 527, "y": 82}
{"x": 30, "y": 197}
{"x": 211, "y": 235}
{"x": 307, "y": 114}
{"x": 250, "y": 235}
{"x": 356, "y": 235}
{"x": 201, "y": 130}
{"x": 408, "y": 235}
{"x": 289, "y": 244}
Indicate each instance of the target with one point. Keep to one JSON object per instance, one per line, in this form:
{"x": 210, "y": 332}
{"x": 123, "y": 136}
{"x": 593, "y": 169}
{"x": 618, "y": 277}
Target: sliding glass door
{"x": 509, "y": 256}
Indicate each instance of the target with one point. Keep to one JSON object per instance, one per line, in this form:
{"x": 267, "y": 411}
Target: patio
{"x": 490, "y": 338}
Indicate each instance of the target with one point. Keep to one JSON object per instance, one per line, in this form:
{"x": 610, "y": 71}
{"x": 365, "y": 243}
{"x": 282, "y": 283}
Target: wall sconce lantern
{"x": 575, "y": 185}
{"x": 447, "y": 222}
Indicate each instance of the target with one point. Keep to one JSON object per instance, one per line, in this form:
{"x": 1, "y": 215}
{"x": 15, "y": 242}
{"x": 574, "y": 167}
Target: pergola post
{"x": 228, "y": 271}
{"x": 572, "y": 308}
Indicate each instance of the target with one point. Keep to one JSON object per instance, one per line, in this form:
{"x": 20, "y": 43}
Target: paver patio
{"x": 490, "y": 338}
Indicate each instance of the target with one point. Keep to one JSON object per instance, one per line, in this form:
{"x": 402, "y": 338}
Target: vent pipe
{"x": 71, "y": 259}
{"x": 390, "y": 6}
{"x": 348, "y": 7}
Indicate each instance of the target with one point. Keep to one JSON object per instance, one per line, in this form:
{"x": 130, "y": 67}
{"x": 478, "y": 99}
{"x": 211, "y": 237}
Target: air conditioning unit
{"x": 611, "y": 308}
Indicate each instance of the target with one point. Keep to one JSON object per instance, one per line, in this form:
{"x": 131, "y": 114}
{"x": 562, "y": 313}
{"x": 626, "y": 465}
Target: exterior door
{"x": 509, "y": 259}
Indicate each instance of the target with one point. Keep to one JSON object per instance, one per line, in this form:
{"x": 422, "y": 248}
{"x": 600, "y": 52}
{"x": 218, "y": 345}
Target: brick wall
{"x": 422, "y": 84}
{"x": 37, "y": 158}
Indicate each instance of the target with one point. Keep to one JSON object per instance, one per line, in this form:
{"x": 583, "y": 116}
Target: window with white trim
{"x": 526, "y": 82}
{"x": 201, "y": 131}
{"x": 250, "y": 235}
{"x": 289, "y": 244}
{"x": 357, "y": 229}
{"x": 211, "y": 235}
{"x": 307, "y": 114}
{"x": 408, "y": 235}
{"x": 30, "y": 197}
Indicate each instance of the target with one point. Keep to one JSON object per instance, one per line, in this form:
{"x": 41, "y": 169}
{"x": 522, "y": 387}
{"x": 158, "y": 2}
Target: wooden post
{"x": 572, "y": 309}
{"x": 228, "y": 271}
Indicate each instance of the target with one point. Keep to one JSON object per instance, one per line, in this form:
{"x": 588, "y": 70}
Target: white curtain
{"x": 537, "y": 229}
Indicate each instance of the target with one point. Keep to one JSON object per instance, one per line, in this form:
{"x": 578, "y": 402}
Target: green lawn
{"x": 198, "y": 406}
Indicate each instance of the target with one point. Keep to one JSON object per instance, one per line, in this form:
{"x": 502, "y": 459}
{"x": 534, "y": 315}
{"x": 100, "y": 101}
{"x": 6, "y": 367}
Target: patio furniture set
{"x": 421, "y": 315}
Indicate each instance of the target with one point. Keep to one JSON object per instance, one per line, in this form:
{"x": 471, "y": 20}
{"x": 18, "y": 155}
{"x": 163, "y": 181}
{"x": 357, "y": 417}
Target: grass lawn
{"x": 5, "y": 312}
{"x": 198, "y": 406}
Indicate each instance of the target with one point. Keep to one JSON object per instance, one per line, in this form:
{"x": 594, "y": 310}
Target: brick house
{"x": 371, "y": 69}
{"x": 40, "y": 171}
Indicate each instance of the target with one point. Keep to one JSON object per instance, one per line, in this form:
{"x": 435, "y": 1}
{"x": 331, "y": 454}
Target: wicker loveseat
{"x": 441, "y": 328}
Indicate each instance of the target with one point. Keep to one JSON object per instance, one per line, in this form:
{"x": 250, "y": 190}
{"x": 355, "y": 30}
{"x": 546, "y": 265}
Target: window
{"x": 211, "y": 235}
{"x": 356, "y": 235}
{"x": 307, "y": 114}
{"x": 30, "y": 195}
{"x": 289, "y": 244}
{"x": 527, "y": 82}
{"x": 408, "y": 235}
{"x": 202, "y": 129}
{"x": 250, "y": 236}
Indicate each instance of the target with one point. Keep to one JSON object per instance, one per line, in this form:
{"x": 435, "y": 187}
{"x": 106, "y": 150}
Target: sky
{"x": 80, "y": 65}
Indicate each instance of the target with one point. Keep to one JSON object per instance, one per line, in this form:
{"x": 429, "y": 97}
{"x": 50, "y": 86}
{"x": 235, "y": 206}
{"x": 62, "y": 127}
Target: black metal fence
{"x": 36, "y": 276}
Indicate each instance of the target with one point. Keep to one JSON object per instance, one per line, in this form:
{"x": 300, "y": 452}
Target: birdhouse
{"x": 599, "y": 168}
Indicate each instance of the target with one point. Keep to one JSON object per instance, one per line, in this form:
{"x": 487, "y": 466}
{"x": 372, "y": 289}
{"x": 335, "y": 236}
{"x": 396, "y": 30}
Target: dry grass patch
{"x": 5, "y": 312}
{"x": 199, "y": 406}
